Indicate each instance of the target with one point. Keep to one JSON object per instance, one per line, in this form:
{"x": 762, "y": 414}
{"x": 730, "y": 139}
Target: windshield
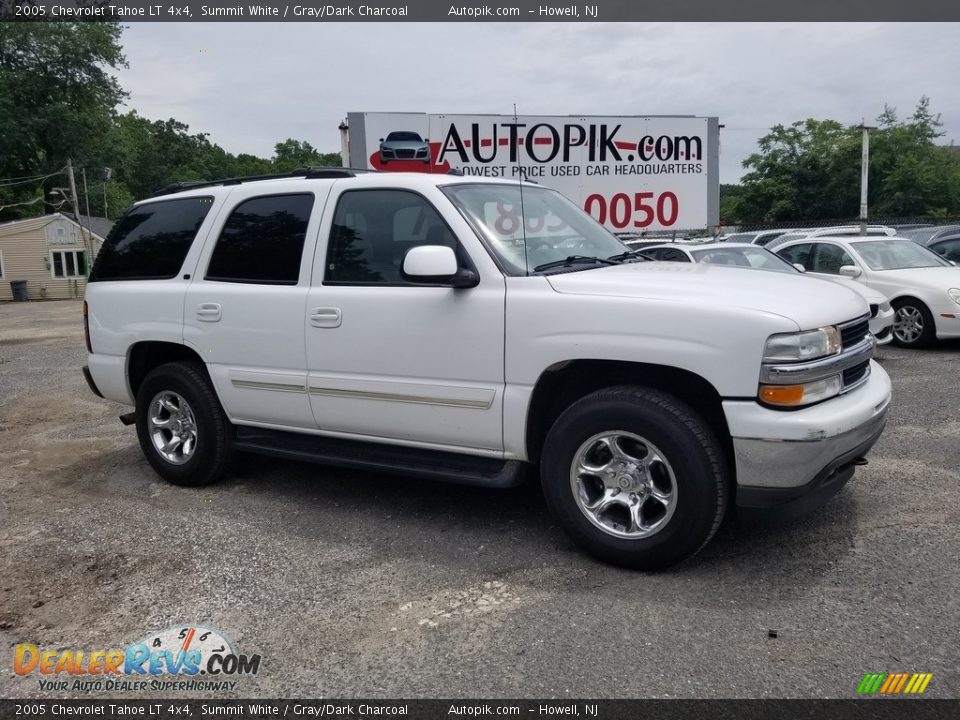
{"x": 896, "y": 255}
{"x": 404, "y": 137}
{"x": 750, "y": 257}
{"x": 544, "y": 228}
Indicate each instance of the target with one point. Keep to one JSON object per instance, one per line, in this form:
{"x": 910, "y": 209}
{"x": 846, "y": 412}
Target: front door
{"x": 392, "y": 360}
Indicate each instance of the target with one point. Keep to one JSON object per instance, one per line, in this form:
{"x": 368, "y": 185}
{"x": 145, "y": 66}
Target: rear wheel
{"x": 635, "y": 477}
{"x": 183, "y": 431}
{"x": 913, "y": 325}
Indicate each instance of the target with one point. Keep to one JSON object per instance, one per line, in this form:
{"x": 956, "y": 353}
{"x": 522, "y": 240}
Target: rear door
{"x": 244, "y": 308}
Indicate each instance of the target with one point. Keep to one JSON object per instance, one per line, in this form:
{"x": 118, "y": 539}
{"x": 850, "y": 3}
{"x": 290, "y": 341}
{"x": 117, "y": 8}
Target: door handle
{"x": 208, "y": 312}
{"x": 326, "y": 317}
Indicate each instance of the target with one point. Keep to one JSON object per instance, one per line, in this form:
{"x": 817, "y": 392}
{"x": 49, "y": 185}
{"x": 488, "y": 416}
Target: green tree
{"x": 57, "y": 100}
{"x": 810, "y": 171}
{"x": 292, "y": 154}
{"x": 804, "y": 171}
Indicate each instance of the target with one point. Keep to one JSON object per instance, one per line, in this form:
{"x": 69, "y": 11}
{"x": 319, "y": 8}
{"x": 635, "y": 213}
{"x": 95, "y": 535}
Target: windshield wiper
{"x": 628, "y": 254}
{"x": 575, "y": 259}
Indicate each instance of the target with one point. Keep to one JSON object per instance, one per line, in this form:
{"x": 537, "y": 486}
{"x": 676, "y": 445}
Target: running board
{"x": 393, "y": 459}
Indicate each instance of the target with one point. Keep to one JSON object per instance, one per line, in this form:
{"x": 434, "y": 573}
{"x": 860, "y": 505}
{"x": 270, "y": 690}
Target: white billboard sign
{"x": 633, "y": 174}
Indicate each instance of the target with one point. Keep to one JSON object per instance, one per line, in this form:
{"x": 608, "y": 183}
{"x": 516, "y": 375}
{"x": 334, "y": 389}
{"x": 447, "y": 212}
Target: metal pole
{"x": 105, "y": 175}
{"x": 345, "y": 159}
{"x": 864, "y": 174}
{"x": 73, "y": 191}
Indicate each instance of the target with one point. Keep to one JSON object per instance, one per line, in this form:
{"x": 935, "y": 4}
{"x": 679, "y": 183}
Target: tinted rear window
{"x": 151, "y": 241}
{"x": 262, "y": 241}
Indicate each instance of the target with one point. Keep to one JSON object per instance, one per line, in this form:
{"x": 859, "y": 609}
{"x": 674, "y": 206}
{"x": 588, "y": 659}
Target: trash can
{"x": 19, "y": 290}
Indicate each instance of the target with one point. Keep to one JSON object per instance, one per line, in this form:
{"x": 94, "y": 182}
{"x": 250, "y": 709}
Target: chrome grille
{"x": 854, "y": 331}
{"x": 853, "y": 375}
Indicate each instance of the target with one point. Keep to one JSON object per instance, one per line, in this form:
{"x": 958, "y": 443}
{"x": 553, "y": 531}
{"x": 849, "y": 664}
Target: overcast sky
{"x": 250, "y": 85}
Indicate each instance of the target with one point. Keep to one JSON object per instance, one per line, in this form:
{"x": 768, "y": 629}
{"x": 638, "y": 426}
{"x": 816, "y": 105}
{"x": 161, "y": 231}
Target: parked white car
{"x": 754, "y": 237}
{"x": 751, "y": 256}
{"x": 923, "y": 288}
{"x": 832, "y": 231}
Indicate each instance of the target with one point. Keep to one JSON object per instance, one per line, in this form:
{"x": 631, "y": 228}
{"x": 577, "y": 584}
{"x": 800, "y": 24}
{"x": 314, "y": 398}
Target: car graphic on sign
{"x": 404, "y": 145}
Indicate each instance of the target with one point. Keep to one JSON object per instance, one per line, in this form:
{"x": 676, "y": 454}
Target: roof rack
{"x": 310, "y": 173}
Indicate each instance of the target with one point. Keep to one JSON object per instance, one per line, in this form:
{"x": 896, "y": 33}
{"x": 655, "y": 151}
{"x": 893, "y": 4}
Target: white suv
{"x": 466, "y": 329}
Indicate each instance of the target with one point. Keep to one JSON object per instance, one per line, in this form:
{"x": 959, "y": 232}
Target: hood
{"x": 808, "y": 301}
{"x": 933, "y": 278}
{"x": 867, "y": 293}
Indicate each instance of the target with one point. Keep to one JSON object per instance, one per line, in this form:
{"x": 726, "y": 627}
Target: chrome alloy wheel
{"x": 908, "y": 324}
{"x": 172, "y": 427}
{"x": 623, "y": 485}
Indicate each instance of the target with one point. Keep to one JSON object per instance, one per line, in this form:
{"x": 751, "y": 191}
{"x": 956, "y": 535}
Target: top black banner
{"x": 497, "y": 11}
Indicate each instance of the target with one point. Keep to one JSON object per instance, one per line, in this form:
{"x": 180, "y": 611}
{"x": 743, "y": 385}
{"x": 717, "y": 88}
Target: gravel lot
{"x": 350, "y": 584}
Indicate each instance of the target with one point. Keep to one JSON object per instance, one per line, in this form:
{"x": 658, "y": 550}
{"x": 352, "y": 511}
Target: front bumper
{"x": 881, "y": 326}
{"x": 785, "y": 455}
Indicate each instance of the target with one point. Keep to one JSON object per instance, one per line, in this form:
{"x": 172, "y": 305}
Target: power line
{"x": 28, "y": 202}
{"x": 9, "y": 182}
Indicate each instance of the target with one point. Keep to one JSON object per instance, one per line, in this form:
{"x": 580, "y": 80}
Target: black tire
{"x": 213, "y": 446}
{"x": 691, "y": 451}
{"x": 912, "y": 309}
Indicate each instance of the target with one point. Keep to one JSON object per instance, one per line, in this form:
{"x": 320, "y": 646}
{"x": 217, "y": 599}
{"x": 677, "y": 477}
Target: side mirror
{"x": 799, "y": 267}
{"x": 436, "y": 265}
{"x": 850, "y": 271}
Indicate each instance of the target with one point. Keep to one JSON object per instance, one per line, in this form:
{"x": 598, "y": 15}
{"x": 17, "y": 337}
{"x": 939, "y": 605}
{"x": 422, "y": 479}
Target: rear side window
{"x": 151, "y": 241}
{"x": 262, "y": 241}
{"x": 948, "y": 249}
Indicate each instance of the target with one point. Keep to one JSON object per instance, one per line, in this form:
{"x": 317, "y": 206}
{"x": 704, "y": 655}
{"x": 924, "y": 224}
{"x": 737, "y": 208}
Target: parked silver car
{"x": 404, "y": 145}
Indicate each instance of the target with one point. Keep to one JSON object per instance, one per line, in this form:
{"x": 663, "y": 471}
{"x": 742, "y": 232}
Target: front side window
{"x": 262, "y": 241}
{"x": 528, "y": 227}
{"x": 68, "y": 263}
{"x": 896, "y": 255}
{"x": 828, "y": 258}
{"x": 150, "y": 241}
{"x": 798, "y": 254}
{"x": 372, "y": 232}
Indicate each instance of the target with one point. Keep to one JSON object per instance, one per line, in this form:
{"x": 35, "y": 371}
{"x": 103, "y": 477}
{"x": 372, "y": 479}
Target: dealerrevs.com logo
{"x": 178, "y": 658}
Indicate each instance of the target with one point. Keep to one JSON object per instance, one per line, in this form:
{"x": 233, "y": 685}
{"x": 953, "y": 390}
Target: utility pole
{"x": 88, "y": 243}
{"x": 105, "y": 175}
{"x": 73, "y": 190}
{"x": 864, "y": 173}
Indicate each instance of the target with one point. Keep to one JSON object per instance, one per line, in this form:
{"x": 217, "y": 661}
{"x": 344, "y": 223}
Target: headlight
{"x": 809, "y": 345}
{"x": 954, "y": 294}
{"x": 805, "y": 394}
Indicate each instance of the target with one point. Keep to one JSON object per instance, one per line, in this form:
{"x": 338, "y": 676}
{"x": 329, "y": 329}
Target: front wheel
{"x": 183, "y": 431}
{"x": 913, "y": 325}
{"x": 635, "y": 477}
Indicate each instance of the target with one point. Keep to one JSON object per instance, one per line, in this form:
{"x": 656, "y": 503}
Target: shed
{"x": 52, "y": 254}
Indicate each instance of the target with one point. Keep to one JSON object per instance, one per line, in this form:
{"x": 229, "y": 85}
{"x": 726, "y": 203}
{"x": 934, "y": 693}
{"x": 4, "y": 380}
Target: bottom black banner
{"x": 867, "y": 709}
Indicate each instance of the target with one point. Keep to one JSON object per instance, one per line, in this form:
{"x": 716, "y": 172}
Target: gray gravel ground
{"x": 350, "y": 584}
